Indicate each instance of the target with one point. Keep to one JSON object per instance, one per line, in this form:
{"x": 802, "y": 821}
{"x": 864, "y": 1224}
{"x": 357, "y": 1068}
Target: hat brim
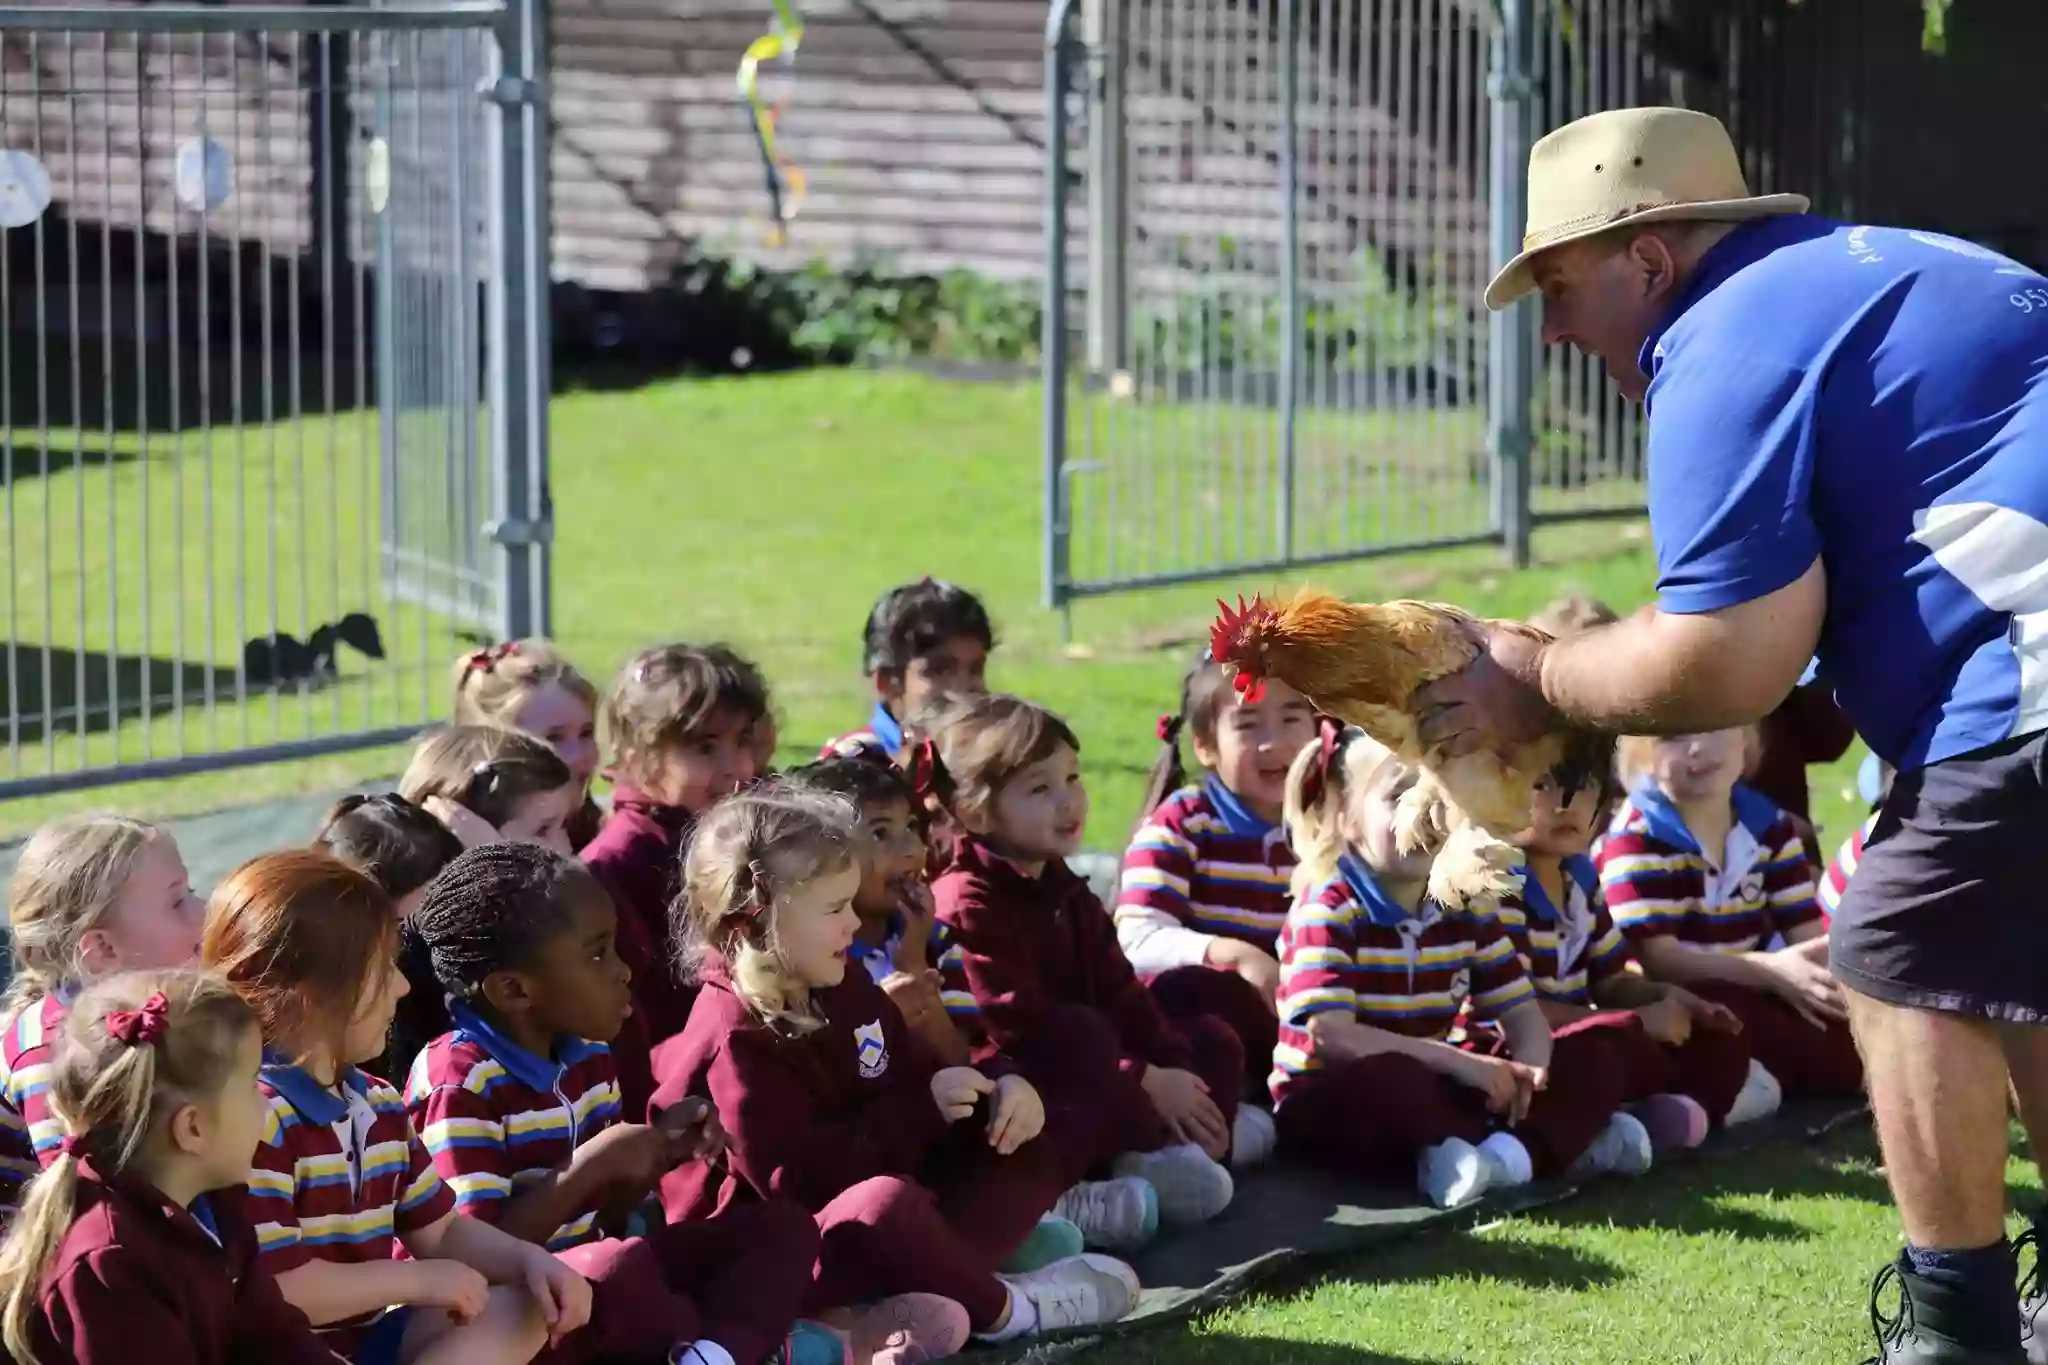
{"x": 1515, "y": 279}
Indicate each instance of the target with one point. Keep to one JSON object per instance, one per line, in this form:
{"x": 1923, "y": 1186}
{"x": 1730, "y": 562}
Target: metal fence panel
{"x": 244, "y": 312}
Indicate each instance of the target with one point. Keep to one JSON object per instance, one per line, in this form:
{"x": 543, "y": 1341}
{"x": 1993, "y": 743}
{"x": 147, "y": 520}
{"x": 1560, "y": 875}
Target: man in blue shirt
{"x": 1848, "y": 461}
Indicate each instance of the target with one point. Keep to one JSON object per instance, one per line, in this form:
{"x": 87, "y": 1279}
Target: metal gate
{"x": 1269, "y": 228}
{"x": 273, "y": 335}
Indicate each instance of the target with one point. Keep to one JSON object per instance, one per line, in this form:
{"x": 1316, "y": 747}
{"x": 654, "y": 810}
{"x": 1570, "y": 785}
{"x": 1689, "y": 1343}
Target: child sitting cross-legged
{"x": 922, "y": 641}
{"x": 519, "y": 1108}
{"x": 135, "y": 1244}
{"x": 1035, "y": 946}
{"x": 898, "y": 941}
{"x": 340, "y": 1180}
{"x": 1373, "y": 977}
{"x": 1711, "y": 884}
{"x": 1683, "y": 1062}
{"x": 1205, "y": 882}
{"x": 924, "y": 1178}
{"x": 92, "y": 895}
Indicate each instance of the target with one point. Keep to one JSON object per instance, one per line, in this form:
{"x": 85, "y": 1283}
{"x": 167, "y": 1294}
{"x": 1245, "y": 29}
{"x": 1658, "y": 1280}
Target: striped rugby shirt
{"x": 496, "y": 1118}
{"x": 1350, "y": 946}
{"x": 1842, "y": 868}
{"x": 29, "y": 1133}
{"x": 1658, "y": 882}
{"x": 339, "y": 1176}
{"x": 1565, "y": 950}
{"x": 1203, "y": 866}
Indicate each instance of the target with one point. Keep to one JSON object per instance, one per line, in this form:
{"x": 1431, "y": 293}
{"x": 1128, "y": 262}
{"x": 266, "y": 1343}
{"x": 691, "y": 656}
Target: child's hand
{"x": 920, "y": 912}
{"x": 1261, "y": 969}
{"x": 917, "y": 995}
{"x": 957, "y": 1089}
{"x": 563, "y": 1295}
{"x": 1508, "y": 1086}
{"x": 1016, "y": 1116}
{"x": 1807, "y": 986}
{"x": 632, "y": 1157}
{"x": 1667, "y": 1020}
{"x": 452, "y": 1287}
{"x": 694, "y": 1126}
{"x": 470, "y": 829}
{"x": 1182, "y": 1101}
{"x": 1711, "y": 1015}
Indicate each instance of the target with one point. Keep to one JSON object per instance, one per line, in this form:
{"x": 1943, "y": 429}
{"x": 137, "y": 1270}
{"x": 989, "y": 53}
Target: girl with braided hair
{"x": 519, "y": 1109}
{"x": 134, "y": 1244}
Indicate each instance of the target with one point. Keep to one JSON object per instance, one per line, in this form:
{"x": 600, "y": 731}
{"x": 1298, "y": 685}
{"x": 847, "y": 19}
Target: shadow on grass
{"x": 59, "y": 689}
{"x": 1184, "y": 1347}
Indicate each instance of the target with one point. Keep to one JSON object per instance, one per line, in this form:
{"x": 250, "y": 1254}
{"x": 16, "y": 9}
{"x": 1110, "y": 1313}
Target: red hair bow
{"x": 143, "y": 1027}
{"x": 72, "y": 1146}
{"x": 1168, "y": 728}
{"x": 487, "y": 659}
{"x": 927, "y": 775}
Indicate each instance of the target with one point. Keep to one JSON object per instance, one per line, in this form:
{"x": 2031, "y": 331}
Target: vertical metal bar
{"x": 107, "y": 403}
{"x": 423, "y": 335}
{"x": 331, "y": 221}
{"x": 1053, "y": 574}
{"x": 1291, "y": 338}
{"x": 203, "y": 305}
{"x": 302, "y": 548}
{"x": 1510, "y": 345}
{"x": 81, "y": 697}
{"x": 1107, "y": 25}
{"x": 237, "y": 385}
{"x": 177, "y": 425}
{"x": 268, "y": 223}
{"x": 142, "y": 418}
{"x": 14, "y": 624}
{"x": 49, "y": 621}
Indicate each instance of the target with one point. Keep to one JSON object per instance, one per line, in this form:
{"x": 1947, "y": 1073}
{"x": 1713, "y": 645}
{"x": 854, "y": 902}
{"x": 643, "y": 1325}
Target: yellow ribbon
{"x": 785, "y": 181}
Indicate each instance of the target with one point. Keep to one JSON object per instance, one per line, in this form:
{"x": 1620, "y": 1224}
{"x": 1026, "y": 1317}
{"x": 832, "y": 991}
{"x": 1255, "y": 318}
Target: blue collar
{"x": 1379, "y": 907}
{"x": 1739, "y": 248}
{"x": 201, "y": 1210}
{"x": 535, "y": 1073}
{"x": 1237, "y": 817}
{"x": 1577, "y": 868}
{"x": 1754, "y": 811}
{"x": 886, "y": 729}
{"x": 304, "y": 1092}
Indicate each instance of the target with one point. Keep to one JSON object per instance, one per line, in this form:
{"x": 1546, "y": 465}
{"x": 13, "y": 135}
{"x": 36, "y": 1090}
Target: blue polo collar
{"x": 1578, "y": 868}
{"x": 303, "y": 1091}
{"x": 1754, "y": 811}
{"x": 886, "y": 729}
{"x": 1723, "y": 259}
{"x": 1381, "y": 908}
{"x": 1237, "y": 817}
{"x": 535, "y": 1073}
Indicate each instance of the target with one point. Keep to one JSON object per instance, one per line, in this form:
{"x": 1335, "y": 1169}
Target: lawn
{"x": 766, "y": 511}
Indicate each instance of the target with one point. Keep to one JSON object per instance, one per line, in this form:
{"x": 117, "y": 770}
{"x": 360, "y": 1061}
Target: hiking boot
{"x": 1112, "y": 1215}
{"x": 1934, "y": 1324}
{"x": 2033, "y": 1320}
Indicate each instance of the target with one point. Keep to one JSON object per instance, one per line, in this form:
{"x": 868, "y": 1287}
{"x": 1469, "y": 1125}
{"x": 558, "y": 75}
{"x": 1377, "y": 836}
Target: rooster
{"x": 1363, "y": 664}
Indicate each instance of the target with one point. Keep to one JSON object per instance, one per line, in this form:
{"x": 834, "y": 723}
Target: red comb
{"x": 1227, "y": 642}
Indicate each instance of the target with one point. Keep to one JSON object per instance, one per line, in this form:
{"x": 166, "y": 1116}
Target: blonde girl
{"x": 91, "y": 895}
{"x": 513, "y": 785}
{"x": 339, "y": 1178}
{"x": 530, "y": 686}
{"x": 829, "y": 1100}
{"x": 134, "y": 1244}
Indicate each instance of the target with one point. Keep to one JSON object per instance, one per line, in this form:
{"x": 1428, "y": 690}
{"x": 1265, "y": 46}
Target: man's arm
{"x": 1659, "y": 672}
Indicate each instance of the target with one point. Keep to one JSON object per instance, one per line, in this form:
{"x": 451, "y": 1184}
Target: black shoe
{"x": 1932, "y": 1326}
{"x": 2033, "y": 1325}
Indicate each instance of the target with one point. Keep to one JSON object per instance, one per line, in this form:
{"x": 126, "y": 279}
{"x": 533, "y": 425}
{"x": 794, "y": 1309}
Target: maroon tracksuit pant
{"x": 1190, "y": 992}
{"x": 738, "y": 1279}
{"x": 947, "y": 1230}
{"x": 1710, "y": 1067}
{"x": 1374, "y": 1116}
{"x": 1806, "y": 1060}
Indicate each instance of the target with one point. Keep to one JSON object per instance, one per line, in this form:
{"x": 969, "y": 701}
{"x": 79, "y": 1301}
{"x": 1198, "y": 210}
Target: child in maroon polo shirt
{"x": 1033, "y": 941}
{"x": 923, "y": 1179}
{"x": 340, "y": 1181}
{"x": 922, "y": 641}
{"x": 1370, "y": 1074}
{"x": 134, "y": 1244}
{"x": 519, "y": 1108}
{"x": 1204, "y": 889}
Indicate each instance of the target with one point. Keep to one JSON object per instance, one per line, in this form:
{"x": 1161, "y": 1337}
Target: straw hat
{"x": 1624, "y": 168}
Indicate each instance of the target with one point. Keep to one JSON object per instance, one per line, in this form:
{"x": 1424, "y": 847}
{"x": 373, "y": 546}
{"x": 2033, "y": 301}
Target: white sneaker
{"x": 1252, "y": 1137}
{"x": 1083, "y": 1291}
{"x": 1759, "y": 1098}
{"x": 1192, "y": 1188}
{"x": 1453, "y": 1173}
{"x": 1115, "y": 1214}
{"x": 1623, "y": 1148}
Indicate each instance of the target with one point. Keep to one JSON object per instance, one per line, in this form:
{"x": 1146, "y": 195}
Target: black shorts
{"x": 1948, "y": 909}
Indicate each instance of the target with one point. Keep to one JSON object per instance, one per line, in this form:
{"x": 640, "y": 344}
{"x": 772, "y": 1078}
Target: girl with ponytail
{"x": 133, "y": 1244}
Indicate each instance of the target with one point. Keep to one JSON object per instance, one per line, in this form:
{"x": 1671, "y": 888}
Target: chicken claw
{"x": 1475, "y": 869}
{"x": 1422, "y": 818}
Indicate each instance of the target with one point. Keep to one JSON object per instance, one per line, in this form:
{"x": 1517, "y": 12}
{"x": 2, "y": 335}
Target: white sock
{"x": 1507, "y": 1152}
{"x": 708, "y": 1353}
{"x": 1023, "y": 1317}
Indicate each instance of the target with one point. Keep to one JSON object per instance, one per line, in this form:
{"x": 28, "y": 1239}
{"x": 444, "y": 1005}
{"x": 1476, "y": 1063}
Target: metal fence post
{"x": 1291, "y": 338}
{"x": 1510, "y": 337}
{"x": 518, "y": 344}
{"x": 1106, "y": 26}
{"x": 1053, "y": 323}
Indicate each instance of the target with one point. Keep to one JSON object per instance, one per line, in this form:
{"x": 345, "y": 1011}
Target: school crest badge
{"x": 1461, "y": 986}
{"x": 1751, "y": 892}
{"x": 871, "y": 1050}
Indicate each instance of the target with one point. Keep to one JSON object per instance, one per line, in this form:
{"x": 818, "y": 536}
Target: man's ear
{"x": 507, "y": 993}
{"x": 1654, "y": 264}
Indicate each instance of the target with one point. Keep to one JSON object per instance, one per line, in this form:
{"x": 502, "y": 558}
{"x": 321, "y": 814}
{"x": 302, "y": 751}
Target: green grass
{"x": 1760, "y": 1258}
{"x": 766, "y": 511}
